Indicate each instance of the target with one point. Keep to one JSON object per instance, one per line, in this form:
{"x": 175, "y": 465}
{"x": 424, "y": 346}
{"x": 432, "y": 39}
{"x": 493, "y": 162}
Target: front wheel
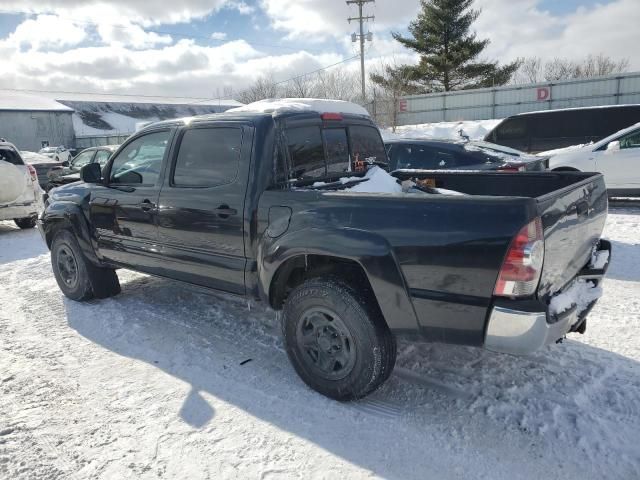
{"x": 336, "y": 340}
{"x": 27, "y": 222}
{"x": 78, "y": 278}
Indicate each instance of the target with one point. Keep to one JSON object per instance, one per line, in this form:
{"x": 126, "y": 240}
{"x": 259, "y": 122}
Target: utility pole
{"x": 362, "y": 38}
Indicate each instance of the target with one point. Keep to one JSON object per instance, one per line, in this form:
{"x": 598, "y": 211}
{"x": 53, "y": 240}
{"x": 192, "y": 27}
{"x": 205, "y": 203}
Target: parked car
{"x": 548, "y": 130}
{"x": 63, "y": 175}
{"x": 58, "y": 154}
{"x": 20, "y": 194}
{"x": 256, "y": 203}
{"x": 429, "y": 154}
{"x": 42, "y": 164}
{"x": 617, "y": 157}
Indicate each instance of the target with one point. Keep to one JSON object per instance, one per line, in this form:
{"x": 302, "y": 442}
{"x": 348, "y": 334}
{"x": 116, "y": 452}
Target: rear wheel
{"x": 78, "y": 278}
{"x": 337, "y": 342}
{"x": 27, "y": 222}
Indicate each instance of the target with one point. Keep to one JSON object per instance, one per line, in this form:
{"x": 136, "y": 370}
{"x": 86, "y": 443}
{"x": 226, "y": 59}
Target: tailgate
{"x": 573, "y": 219}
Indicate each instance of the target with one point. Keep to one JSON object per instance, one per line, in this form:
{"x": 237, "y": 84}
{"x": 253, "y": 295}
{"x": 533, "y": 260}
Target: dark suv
{"x": 548, "y": 130}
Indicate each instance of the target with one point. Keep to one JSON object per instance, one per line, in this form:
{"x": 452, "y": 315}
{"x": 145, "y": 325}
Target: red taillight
{"x": 331, "y": 116}
{"x": 522, "y": 266}
{"x": 32, "y": 172}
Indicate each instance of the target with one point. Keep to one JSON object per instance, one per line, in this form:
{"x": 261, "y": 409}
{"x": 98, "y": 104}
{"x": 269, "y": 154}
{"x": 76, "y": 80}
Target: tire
{"x": 338, "y": 343}
{"x": 78, "y": 278}
{"x": 27, "y": 222}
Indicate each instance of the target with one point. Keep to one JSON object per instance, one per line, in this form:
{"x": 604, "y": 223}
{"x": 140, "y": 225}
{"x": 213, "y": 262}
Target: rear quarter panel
{"x": 448, "y": 250}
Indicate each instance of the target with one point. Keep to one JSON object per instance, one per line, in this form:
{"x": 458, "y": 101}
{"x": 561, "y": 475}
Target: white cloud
{"x": 128, "y": 34}
{"x": 321, "y": 19}
{"x": 44, "y": 31}
{"x": 522, "y": 28}
{"x": 218, "y": 35}
{"x": 181, "y": 69}
{"x": 145, "y": 12}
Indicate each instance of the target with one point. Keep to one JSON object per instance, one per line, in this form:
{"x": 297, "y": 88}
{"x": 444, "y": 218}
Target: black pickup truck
{"x": 257, "y": 204}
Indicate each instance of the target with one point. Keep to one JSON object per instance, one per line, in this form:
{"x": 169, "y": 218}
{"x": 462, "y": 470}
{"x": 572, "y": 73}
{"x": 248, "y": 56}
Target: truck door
{"x": 201, "y": 206}
{"x": 124, "y": 212}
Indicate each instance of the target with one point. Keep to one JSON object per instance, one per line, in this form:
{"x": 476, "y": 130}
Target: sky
{"x": 209, "y": 48}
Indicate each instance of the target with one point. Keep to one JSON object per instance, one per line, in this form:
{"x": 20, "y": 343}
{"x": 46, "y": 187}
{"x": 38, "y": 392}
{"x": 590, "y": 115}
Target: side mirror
{"x": 91, "y": 173}
{"x": 65, "y": 163}
{"x": 613, "y": 146}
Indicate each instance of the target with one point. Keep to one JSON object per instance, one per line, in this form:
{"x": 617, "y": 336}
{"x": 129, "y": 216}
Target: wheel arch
{"x": 356, "y": 256}
{"x": 66, "y": 216}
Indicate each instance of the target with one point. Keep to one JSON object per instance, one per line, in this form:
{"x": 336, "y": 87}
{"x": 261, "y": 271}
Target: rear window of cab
{"x": 316, "y": 152}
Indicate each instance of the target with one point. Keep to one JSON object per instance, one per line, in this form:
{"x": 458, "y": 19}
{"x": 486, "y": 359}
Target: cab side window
{"x": 306, "y": 152}
{"x": 102, "y": 157}
{"x": 208, "y": 157}
{"x": 140, "y": 161}
{"x": 631, "y": 140}
{"x": 82, "y": 159}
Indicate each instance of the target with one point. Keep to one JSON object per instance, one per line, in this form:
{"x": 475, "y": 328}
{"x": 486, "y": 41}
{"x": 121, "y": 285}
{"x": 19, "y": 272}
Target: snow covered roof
{"x": 108, "y": 98}
{"x": 19, "y": 101}
{"x": 276, "y": 106}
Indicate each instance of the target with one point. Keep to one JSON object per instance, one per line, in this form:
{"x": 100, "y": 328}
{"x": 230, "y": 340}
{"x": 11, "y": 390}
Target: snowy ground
{"x": 153, "y": 384}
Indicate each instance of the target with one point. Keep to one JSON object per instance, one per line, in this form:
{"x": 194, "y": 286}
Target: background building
{"x": 31, "y": 122}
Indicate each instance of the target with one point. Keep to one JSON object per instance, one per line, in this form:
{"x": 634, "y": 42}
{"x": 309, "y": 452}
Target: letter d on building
{"x": 543, "y": 94}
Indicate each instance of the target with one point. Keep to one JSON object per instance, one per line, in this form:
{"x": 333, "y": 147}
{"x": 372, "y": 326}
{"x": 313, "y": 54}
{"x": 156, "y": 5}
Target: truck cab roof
{"x": 258, "y": 112}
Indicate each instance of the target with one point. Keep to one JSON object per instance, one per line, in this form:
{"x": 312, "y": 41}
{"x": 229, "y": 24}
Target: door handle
{"x": 224, "y": 211}
{"x": 147, "y": 205}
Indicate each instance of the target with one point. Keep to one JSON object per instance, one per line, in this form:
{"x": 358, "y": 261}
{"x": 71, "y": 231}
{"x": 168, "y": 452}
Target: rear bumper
{"x": 18, "y": 211}
{"x": 521, "y": 327}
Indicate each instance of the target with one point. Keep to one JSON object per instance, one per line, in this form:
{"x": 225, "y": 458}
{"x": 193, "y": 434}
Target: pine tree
{"x": 449, "y": 51}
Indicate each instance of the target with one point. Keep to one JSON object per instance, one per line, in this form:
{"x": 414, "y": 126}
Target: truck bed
{"x": 572, "y": 206}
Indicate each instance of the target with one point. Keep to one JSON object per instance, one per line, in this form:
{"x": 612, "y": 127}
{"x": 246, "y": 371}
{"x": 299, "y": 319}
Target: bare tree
{"x": 530, "y": 71}
{"x": 598, "y": 65}
{"x": 299, "y": 87}
{"x": 533, "y": 70}
{"x": 263, "y": 87}
{"x": 338, "y": 84}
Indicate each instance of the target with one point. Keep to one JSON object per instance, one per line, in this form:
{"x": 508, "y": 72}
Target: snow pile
{"x": 558, "y": 151}
{"x": 581, "y": 294}
{"x": 33, "y": 157}
{"x": 302, "y": 105}
{"x": 599, "y": 259}
{"x": 378, "y": 181}
{"x": 474, "y": 129}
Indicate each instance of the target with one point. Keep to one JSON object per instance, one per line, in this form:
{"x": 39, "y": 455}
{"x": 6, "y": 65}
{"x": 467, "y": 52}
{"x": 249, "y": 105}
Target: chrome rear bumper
{"x": 519, "y": 332}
